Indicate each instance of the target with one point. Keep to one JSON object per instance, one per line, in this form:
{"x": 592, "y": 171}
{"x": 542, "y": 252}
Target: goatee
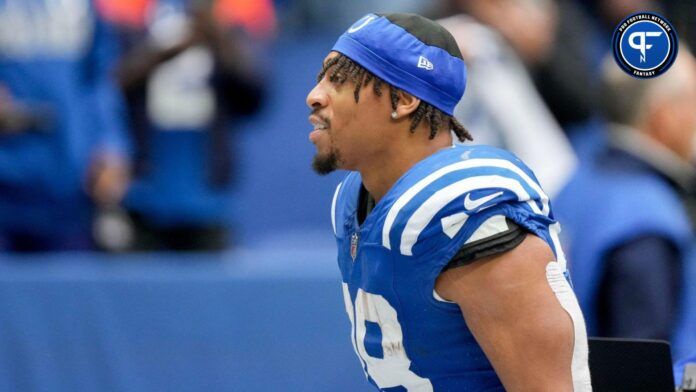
{"x": 325, "y": 164}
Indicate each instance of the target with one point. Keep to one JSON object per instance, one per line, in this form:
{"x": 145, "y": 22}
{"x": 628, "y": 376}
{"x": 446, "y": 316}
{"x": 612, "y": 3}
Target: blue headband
{"x": 402, "y": 60}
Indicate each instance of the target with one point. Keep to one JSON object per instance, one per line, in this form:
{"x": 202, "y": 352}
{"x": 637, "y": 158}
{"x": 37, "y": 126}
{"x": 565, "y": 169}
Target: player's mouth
{"x": 320, "y": 125}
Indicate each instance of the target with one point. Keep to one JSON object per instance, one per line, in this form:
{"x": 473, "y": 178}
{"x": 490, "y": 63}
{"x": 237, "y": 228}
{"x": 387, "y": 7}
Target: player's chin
{"x": 325, "y": 163}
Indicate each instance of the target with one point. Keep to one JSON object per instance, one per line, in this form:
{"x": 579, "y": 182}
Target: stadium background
{"x": 264, "y": 315}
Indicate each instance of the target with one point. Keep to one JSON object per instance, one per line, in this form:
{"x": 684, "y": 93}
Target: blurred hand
{"x": 463, "y": 32}
{"x": 108, "y": 179}
{"x": 11, "y": 121}
{"x": 13, "y": 118}
{"x": 205, "y": 28}
{"x": 613, "y": 11}
{"x": 529, "y": 26}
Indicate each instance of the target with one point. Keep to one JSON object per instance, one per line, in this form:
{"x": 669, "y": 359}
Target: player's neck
{"x": 379, "y": 176}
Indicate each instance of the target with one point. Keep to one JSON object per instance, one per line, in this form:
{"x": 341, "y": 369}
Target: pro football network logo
{"x": 645, "y": 45}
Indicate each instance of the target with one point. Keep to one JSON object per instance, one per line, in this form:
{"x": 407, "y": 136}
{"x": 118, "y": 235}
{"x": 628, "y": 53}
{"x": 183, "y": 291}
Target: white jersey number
{"x": 393, "y": 369}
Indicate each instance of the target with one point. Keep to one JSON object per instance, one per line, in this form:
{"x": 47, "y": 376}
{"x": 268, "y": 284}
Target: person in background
{"x": 63, "y": 147}
{"x": 503, "y": 108}
{"x": 187, "y": 75}
{"x": 551, "y": 38}
{"x": 629, "y": 217}
{"x": 331, "y": 15}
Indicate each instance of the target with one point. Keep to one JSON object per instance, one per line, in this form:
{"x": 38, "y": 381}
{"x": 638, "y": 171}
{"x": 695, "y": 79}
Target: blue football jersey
{"x": 407, "y": 338}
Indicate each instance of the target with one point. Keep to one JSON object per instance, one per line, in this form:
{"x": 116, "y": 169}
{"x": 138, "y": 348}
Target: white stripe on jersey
{"x": 468, "y": 164}
{"x": 333, "y": 207}
{"x": 453, "y": 223}
{"x": 492, "y": 226}
{"x": 426, "y": 211}
{"x": 554, "y": 230}
{"x": 579, "y": 366}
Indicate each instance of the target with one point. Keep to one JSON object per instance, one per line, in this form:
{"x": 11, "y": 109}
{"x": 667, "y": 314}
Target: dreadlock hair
{"x": 341, "y": 68}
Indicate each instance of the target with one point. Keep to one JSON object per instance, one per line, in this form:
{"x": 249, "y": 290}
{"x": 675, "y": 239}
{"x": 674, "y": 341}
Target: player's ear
{"x": 406, "y": 104}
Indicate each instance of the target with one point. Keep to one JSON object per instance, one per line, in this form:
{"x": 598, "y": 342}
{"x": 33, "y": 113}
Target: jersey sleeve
{"x": 104, "y": 96}
{"x": 468, "y": 206}
{"x": 456, "y": 226}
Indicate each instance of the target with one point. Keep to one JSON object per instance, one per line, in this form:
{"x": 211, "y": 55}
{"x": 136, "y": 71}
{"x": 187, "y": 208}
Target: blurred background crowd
{"x": 180, "y": 125}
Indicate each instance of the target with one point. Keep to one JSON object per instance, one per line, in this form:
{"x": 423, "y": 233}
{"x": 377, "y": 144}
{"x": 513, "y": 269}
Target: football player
{"x": 453, "y": 277}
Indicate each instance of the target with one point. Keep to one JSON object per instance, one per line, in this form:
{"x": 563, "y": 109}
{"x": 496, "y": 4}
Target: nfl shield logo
{"x": 354, "y": 246}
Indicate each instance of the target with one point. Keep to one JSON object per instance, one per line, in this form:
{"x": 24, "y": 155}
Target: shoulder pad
{"x": 444, "y": 199}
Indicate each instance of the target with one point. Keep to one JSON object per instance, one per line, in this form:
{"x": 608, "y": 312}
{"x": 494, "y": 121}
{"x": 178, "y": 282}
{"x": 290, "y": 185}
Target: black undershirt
{"x": 493, "y": 245}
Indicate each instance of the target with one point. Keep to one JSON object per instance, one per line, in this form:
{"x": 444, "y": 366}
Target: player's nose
{"x": 317, "y": 97}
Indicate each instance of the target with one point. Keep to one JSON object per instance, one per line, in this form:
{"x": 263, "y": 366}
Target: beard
{"x": 324, "y": 164}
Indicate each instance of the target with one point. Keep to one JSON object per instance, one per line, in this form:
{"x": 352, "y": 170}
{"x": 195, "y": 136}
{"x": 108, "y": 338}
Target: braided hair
{"x": 343, "y": 68}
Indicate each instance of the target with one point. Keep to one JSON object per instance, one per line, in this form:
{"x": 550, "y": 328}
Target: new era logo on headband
{"x": 425, "y": 63}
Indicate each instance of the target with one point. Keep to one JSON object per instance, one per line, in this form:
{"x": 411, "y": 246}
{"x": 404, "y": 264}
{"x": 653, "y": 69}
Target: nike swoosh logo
{"x": 474, "y": 204}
